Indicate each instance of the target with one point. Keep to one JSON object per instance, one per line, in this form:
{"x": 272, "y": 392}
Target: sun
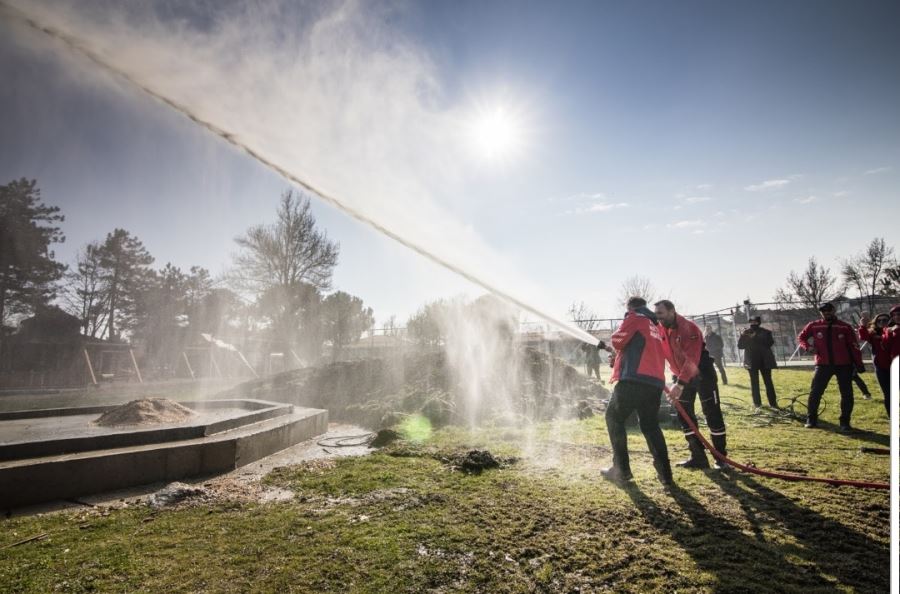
{"x": 495, "y": 133}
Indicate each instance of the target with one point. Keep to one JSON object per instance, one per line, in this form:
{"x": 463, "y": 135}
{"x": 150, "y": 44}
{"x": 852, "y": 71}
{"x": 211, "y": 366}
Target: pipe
{"x": 768, "y": 473}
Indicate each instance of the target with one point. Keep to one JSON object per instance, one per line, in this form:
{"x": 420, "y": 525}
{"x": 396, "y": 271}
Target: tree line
{"x": 869, "y": 275}
{"x": 278, "y": 289}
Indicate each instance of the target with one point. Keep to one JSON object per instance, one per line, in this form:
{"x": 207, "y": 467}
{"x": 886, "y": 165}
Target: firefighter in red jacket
{"x": 874, "y": 334}
{"x": 639, "y": 376}
{"x": 892, "y": 334}
{"x": 837, "y": 355}
{"x": 694, "y": 373}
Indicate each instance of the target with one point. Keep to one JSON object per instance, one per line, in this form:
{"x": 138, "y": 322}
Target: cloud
{"x": 704, "y": 187}
{"x": 598, "y": 207}
{"x": 769, "y": 184}
{"x": 842, "y": 194}
{"x": 697, "y": 199}
{"x": 877, "y": 170}
{"x": 691, "y": 224}
{"x": 807, "y": 200}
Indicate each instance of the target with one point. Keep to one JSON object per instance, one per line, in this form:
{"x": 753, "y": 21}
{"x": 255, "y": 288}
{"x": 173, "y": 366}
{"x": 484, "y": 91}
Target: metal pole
{"x": 737, "y": 352}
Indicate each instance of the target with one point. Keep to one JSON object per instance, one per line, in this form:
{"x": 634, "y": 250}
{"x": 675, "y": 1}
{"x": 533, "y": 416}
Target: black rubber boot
{"x": 698, "y": 455}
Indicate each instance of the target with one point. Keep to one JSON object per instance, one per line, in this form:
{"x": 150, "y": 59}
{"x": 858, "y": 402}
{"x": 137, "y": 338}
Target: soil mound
{"x": 147, "y": 411}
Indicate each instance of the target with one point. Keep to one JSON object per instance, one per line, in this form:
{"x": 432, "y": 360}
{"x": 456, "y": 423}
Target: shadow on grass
{"x": 858, "y": 434}
{"x": 850, "y": 556}
{"x": 741, "y": 562}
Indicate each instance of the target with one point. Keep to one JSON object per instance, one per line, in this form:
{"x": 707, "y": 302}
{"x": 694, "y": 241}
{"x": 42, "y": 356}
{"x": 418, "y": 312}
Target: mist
{"x": 342, "y": 105}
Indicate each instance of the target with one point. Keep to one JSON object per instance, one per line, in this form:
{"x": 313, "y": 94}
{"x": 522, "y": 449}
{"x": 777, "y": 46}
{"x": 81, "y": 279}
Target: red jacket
{"x": 640, "y": 355}
{"x": 685, "y": 345}
{"x": 835, "y": 343}
{"x": 891, "y": 341}
{"x": 881, "y": 356}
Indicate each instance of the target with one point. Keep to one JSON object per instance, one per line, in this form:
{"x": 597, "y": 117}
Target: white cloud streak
{"x": 877, "y": 170}
{"x": 769, "y": 184}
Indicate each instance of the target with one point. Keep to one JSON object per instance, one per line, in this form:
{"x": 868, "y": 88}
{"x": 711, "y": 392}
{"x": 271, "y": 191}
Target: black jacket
{"x": 715, "y": 345}
{"x": 757, "y": 345}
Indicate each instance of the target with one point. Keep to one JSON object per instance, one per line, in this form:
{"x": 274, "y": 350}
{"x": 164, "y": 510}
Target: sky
{"x": 557, "y": 148}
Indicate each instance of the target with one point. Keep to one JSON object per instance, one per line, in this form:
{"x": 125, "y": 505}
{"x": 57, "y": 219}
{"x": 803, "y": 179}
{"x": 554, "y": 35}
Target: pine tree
{"x": 28, "y": 272}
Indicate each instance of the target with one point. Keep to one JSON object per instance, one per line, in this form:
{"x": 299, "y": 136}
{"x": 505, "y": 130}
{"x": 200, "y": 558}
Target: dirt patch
{"x": 146, "y": 411}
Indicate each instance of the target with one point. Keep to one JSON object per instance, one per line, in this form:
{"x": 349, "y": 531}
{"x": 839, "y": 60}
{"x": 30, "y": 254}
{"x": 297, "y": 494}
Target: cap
{"x": 757, "y": 319}
{"x": 826, "y": 307}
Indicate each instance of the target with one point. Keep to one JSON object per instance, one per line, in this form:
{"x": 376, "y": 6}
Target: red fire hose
{"x": 758, "y": 471}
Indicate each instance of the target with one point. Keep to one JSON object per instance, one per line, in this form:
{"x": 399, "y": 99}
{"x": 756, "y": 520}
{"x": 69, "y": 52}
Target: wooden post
{"x": 212, "y": 360}
{"x": 247, "y": 363}
{"x": 188, "y": 363}
{"x": 296, "y": 358}
{"x": 136, "y": 369}
{"x": 90, "y": 367}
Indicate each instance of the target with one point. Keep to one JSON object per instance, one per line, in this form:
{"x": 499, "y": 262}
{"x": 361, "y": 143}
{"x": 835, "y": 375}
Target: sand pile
{"x": 147, "y": 411}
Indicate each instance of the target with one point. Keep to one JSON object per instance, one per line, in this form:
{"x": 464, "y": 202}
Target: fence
{"x": 56, "y": 368}
{"x": 785, "y": 320}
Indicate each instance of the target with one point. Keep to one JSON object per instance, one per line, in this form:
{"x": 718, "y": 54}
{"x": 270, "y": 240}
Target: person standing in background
{"x": 874, "y": 334}
{"x": 716, "y": 347}
{"x": 837, "y": 354}
{"x": 757, "y": 343}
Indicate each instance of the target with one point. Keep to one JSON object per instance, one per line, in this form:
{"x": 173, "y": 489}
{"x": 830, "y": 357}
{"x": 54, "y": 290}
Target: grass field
{"x": 401, "y": 520}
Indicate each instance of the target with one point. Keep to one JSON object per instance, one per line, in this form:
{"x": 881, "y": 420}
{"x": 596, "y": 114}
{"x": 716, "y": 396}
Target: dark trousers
{"x": 645, "y": 399}
{"x": 821, "y": 377}
{"x": 858, "y": 380}
{"x": 721, "y": 367}
{"x": 884, "y": 380}
{"x": 767, "y": 380}
{"x": 711, "y": 405}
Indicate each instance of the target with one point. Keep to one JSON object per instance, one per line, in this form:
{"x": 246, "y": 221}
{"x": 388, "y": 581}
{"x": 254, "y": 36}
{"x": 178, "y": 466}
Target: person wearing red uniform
{"x": 639, "y": 377}
{"x": 892, "y": 334}
{"x": 874, "y": 334}
{"x": 695, "y": 373}
{"x": 837, "y": 355}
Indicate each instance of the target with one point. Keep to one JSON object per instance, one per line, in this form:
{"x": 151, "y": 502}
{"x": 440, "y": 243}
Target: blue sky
{"x": 709, "y": 146}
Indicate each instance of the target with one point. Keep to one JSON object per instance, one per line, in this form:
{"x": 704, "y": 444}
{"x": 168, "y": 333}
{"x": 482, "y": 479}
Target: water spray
{"x": 80, "y": 47}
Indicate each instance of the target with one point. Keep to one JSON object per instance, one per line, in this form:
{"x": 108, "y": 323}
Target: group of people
{"x": 837, "y": 354}
{"x": 648, "y": 339}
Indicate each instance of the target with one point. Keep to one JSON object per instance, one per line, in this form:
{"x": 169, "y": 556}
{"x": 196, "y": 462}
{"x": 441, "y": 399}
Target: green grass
{"x": 401, "y": 521}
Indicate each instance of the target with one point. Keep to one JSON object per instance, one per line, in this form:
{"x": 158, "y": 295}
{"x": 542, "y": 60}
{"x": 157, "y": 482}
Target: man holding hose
{"x": 639, "y": 377}
{"x": 695, "y": 373}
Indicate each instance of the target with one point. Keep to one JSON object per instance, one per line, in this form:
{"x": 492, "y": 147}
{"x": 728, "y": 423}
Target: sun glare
{"x": 495, "y": 134}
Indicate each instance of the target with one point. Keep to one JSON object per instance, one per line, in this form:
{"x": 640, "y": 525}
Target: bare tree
{"x": 583, "y": 316}
{"x": 84, "y": 295}
{"x": 810, "y": 288}
{"x": 890, "y": 282}
{"x": 637, "y": 286}
{"x": 866, "y": 271}
{"x": 286, "y": 265}
{"x": 288, "y": 253}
